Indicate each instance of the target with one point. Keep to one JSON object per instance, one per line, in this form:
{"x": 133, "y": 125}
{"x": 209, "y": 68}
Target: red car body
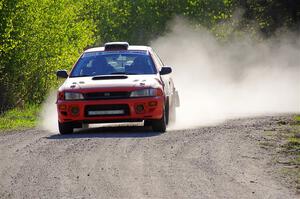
{"x": 106, "y": 98}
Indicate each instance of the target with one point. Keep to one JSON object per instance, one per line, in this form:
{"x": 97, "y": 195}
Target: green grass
{"x": 297, "y": 119}
{"x": 285, "y": 139}
{"x": 292, "y": 147}
{"x": 18, "y": 118}
{"x": 294, "y": 140}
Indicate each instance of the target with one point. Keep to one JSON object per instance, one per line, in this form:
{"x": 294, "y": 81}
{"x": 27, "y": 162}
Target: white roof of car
{"x": 96, "y": 49}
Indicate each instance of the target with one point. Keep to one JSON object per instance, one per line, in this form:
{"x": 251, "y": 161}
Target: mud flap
{"x": 177, "y": 100}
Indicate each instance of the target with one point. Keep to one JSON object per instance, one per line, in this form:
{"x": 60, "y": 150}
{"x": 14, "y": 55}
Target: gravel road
{"x": 223, "y": 161}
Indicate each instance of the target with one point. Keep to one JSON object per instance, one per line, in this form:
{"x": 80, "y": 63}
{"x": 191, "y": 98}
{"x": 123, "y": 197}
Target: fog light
{"x": 139, "y": 108}
{"x": 75, "y": 110}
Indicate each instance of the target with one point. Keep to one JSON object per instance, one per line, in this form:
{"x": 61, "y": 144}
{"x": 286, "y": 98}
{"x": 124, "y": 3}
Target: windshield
{"x": 113, "y": 62}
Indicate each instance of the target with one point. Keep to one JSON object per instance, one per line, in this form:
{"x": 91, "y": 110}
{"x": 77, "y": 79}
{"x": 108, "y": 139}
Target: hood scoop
{"x": 108, "y": 77}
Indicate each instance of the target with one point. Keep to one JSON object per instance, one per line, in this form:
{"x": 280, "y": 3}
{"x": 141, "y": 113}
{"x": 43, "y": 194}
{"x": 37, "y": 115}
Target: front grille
{"x": 106, "y": 95}
{"x": 91, "y": 110}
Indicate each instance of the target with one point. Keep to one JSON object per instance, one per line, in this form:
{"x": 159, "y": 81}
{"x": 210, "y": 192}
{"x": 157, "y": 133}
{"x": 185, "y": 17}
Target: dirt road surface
{"x": 223, "y": 161}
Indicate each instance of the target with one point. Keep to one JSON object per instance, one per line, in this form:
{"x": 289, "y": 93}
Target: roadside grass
{"x": 283, "y": 140}
{"x": 292, "y": 149}
{"x": 297, "y": 119}
{"x": 19, "y": 118}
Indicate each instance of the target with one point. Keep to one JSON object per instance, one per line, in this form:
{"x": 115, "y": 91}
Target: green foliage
{"x": 20, "y": 118}
{"x": 141, "y": 21}
{"x": 268, "y": 16}
{"x": 39, "y": 37}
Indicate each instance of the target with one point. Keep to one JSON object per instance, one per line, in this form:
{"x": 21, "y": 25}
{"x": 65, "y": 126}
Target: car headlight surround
{"x": 149, "y": 92}
{"x": 73, "y": 96}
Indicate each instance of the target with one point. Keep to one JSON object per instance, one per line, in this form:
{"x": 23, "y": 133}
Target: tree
{"x": 40, "y": 37}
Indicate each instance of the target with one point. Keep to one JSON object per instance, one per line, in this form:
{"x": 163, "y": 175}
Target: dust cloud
{"x": 218, "y": 81}
{"x": 48, "y": 114}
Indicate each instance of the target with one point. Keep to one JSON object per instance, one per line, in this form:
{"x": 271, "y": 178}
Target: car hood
{"x": 115, "y": 81}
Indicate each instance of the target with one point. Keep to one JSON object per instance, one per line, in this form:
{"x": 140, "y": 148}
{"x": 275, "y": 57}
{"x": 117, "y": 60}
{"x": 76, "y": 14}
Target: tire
{"x": 65, "y": 128}
{"x": 161, "y": 124}
{"x": 167, "y": 112}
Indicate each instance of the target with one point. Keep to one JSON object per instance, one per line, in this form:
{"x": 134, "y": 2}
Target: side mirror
{"x": 62, "y": 73}
{"x": 165, "y": 70}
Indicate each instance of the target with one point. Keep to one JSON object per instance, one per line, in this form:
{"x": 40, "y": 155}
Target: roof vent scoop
{"x": 111, "y": 46}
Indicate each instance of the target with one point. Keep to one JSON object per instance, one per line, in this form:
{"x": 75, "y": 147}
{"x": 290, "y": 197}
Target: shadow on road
{"x": 109, "y": 132}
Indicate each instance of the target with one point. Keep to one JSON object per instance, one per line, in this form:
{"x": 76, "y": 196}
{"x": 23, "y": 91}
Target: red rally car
{"x": 117, "y": 83}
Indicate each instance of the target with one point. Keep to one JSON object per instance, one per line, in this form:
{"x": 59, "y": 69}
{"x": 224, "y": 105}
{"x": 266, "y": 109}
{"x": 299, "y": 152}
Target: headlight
{"x": 144, "y": 93}
{"x": 73, "y": 96}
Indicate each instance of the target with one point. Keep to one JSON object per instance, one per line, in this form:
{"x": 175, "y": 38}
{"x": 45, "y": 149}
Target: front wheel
{"x": 65, "y": 128}
{"x": 160, "y": 125}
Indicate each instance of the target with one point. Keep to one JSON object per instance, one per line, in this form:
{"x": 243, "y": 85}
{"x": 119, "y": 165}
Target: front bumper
{"x": 153, "y": 109}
